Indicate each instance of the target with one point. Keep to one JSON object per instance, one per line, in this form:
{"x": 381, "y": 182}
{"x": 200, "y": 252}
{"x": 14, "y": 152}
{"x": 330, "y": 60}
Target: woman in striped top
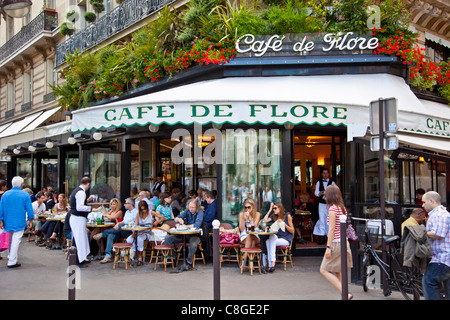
{"x": 331, "y": 263}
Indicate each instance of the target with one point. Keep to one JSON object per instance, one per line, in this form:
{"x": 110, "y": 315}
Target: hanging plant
{"x": 98, "y": 5}
{"x": 90, "y": 17}
{"x": 67, "y": 28}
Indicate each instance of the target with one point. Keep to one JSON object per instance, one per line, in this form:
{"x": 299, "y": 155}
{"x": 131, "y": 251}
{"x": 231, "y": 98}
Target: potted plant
{"x": 98, "y": 5}
{"x": 90, "y": 17}
{"x": 67, "y": 28}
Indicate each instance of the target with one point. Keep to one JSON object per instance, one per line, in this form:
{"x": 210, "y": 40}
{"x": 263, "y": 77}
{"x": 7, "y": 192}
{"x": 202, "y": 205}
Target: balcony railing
{"x": 123, "y": 16}
{"x": 45, "y": 21}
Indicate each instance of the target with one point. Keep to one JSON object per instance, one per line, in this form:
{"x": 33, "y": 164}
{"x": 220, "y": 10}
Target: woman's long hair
{"x": 333, "y": 196}
{"x": 252, "y": 203}
{"x": 282, "y": 214}
{"x": 141, "y": 204}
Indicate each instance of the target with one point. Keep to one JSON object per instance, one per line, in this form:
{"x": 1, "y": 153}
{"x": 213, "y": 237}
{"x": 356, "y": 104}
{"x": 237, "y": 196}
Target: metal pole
{"x": 381, "y": 178}
{"x": 344, "y": 271}
{"x": 72, "y": 272}
{"x": 216, "y": 259}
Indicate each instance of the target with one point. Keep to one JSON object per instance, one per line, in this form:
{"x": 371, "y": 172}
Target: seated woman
{"x": 277, "y": 212}
{"x": 52, "y": 228}
{"x": 144, "y": 218}
{"x": 114, "y": 214}
{"x": 163, "y": 210}
{"x": 249, "y": 216}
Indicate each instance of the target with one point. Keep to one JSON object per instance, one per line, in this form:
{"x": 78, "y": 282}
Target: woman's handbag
{"x": 229, "y": 238}
{"x": 351, "y": 234}
{"x": 4, "y": 241}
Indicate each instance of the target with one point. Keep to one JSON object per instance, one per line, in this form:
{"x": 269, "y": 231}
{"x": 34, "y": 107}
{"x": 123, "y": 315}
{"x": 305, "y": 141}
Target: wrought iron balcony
{"x": 45, "y": 21}
{"x": 123, "y": 16}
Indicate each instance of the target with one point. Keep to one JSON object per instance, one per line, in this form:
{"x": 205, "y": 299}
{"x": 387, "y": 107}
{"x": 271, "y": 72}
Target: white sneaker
{"x": 98, "y": 236}
{"x": 106, "y": 260}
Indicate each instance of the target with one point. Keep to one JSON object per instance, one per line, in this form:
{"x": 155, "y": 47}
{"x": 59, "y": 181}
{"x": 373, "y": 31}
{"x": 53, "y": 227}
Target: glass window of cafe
{"x": 174, "y": 158}
{"x": 102, "y": 165}
{"x": 251, "y": 169}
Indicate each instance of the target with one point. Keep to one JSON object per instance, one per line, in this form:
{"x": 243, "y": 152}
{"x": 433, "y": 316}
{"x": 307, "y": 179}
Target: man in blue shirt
{"x": 192, "y": 218}
{"x": 211, "y": 209}
{"x": 16, "y": 213}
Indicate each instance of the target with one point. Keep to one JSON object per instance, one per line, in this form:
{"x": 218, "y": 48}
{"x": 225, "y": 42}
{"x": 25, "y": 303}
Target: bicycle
{"x": 407, "y": 280}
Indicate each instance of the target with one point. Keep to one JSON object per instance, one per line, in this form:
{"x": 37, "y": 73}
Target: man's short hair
{"x": 210, "y": 195}
{"x": 40, "y": 195}
{"x": 85, "y": 180}
{"x": 418, "y": 211}
{"x": 17, "y": 181}
{"x": 433, "y": 195}
{"x": 130, "y": 201}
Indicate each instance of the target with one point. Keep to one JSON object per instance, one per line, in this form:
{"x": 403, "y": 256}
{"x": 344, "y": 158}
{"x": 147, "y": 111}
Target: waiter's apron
{"x": 78, "y": 226}
{"x": 321, "y": 227}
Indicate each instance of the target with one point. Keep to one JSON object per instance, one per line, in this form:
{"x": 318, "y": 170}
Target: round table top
{"x": 51, "y": 218}
{"x": 302, "y": 212}
{"x": 262, "y": 232}
{"x": 136, "y": 228}
{"x": 43, "y": 215}
{"x": 104, "y": 225}
{"x": 187, "y": 231}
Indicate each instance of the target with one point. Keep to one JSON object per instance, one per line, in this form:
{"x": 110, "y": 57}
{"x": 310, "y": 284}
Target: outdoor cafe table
{"x": 136, "y": 229}
{"x": 184, "y": 233}
{"x": 301, "y": 214}
{"x": 264, "y": 235}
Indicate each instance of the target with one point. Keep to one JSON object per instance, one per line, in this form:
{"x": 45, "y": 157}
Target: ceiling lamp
{"x": 16, "y": 8}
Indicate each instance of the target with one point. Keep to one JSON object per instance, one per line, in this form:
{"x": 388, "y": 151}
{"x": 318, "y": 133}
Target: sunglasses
{"x": 247, "y": 207}
{"x": 275, "y": 207}
{"x": 144, "y": 209}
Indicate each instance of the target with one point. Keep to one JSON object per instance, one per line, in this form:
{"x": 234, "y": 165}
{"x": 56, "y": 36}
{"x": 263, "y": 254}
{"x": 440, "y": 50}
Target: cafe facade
{"x": 263, "y": 125}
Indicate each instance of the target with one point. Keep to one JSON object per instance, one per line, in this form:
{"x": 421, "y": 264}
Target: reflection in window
{"x": 105, "y": 175}
{"x": 251, "y": 169}
{"x": 371, "y": 182}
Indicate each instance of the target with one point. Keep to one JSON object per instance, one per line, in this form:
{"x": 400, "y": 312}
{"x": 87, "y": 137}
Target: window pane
{"x": 105, "y": 175}
{"x": 251, "y": 169}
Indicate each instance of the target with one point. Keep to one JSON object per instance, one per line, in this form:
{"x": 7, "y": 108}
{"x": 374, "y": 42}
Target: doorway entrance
{"x": 312, "y": 153}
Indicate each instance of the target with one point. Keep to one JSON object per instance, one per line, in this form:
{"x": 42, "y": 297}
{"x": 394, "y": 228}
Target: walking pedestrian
{"x": 331, "y": 263}
{"x": 438, "y": 230}
{"x": 16, "y": 213}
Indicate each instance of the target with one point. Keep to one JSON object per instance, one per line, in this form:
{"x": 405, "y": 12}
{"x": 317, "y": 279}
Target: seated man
{"x": 416, "y": 218}
{"x": 117, "y": 232}
{"x": 211, "y": 209}
{"x": 192, "y": 217}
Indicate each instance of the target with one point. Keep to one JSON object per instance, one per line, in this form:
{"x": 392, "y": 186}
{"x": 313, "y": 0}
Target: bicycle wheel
{"x": 365, "y": 271}
{"x": 409, "y": 282}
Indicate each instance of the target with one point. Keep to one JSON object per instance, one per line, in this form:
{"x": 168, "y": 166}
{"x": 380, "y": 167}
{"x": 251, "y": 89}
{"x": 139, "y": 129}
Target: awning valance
{"x": 331, "y": 99}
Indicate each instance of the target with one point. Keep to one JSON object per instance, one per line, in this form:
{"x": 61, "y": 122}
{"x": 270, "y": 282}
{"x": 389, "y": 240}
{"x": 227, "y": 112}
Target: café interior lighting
{"x": 16, "y": 8}
{"x": 153, "y": 129}
{"x": 97, "y": 136}
{"x": 320, "y": 161}
{"x": 421, "y": 160}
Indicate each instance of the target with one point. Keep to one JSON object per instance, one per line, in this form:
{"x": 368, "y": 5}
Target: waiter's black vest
{"x": 322, "y": 188}
{"x": 158, "y": 186}
{"x": 73, "y": 203}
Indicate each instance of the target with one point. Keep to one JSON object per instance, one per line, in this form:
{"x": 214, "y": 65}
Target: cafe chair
{"x": 285, "y": 253}
{"x": 199, "y": 254}
{"x": 229, "y": 252}
{"x": 253, "y": 256}
{"x": 165, "y": 252}
{"x": 122, "y": 254}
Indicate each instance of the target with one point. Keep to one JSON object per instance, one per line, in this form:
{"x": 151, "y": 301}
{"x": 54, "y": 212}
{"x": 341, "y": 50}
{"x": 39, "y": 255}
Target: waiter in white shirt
{"x": 321, "y": 227}
{"x": 79, "y": 212}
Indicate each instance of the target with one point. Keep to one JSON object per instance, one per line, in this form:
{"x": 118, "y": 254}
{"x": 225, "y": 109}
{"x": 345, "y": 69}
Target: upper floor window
{"x": 436, "y": 52}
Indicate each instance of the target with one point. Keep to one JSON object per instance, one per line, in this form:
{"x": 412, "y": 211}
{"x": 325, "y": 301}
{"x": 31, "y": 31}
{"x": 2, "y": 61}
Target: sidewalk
{"x": 43, "y": 276}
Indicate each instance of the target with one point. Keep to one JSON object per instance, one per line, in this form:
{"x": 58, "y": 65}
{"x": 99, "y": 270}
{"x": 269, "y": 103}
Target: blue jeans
{"x": 436, "y": 273}
{"x": 111, "y": 235}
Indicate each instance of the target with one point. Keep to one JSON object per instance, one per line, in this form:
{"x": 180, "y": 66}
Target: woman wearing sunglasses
{"x": 277, "y": 212}
{"x": 143, "y": 218}
{"x": 248, "y": 217}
